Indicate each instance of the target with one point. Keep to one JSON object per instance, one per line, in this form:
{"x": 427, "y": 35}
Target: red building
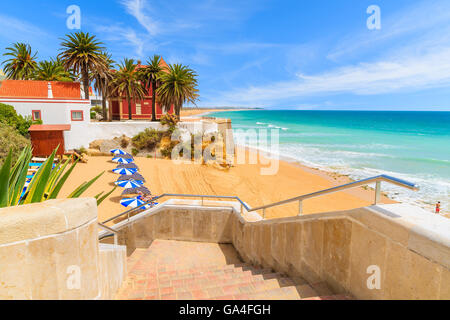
{"x": 141, "y": 110}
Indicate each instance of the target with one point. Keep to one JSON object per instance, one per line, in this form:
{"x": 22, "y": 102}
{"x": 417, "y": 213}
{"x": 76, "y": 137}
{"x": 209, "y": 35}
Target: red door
{"x": 44, "y": 142}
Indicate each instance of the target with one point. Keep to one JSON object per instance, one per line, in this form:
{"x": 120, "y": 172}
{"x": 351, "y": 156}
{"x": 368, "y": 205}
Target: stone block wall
{"x": 50, "y": 250}
{"x": 341, "y": 249}
{"x": 177, "y": 223}
{"x": 410, "y": 248}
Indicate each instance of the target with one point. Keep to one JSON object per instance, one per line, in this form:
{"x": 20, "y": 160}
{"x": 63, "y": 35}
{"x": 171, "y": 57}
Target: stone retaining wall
{"x": 409, "y": 247}
{"x": 50, "y": 250}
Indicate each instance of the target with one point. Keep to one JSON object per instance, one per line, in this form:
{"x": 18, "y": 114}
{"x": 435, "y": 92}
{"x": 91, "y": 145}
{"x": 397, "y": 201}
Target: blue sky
{"x": 296, "y": 54}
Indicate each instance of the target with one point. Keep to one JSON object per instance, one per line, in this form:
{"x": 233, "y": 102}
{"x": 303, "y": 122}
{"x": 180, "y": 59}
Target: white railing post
{"x": 300, "y": 207}
{"x": 378, "y": 192}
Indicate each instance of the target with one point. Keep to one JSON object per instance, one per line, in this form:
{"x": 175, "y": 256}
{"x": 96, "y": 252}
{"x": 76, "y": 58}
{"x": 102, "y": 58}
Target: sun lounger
{"x": 42, "y": 160}
{"x": 35, "y": 164}
{"x": 38, "y": 165}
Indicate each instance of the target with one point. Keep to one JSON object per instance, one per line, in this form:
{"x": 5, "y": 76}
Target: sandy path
{"x": 245, "y": 181}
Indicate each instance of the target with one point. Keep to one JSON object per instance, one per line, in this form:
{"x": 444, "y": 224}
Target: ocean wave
{"x": 432, "y": 188}
{"x": 271, "y": 126}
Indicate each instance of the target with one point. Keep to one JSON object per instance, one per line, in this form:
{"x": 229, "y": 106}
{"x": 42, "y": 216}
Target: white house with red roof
{"x": 61, "y": 107}
{"x": 52, "y": 102}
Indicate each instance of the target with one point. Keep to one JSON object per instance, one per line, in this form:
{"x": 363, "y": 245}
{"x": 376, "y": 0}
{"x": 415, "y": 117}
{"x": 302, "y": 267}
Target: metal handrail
{"x": 114, "y": 232}
{"x": 129, "y": 212}
{"x": 377, "y": 180}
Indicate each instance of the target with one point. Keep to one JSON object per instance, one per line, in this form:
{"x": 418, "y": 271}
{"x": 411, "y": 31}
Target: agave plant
{"x": 45, "y": 184}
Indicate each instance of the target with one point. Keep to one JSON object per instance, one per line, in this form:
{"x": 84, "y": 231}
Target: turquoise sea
{"x": 414, "y": 146}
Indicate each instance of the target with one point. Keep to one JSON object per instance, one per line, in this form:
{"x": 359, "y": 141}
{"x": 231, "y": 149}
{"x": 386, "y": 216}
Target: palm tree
{"x": 52, "y": 70}
{"x": 150, "y": 76}
{"x": 126, "y": 82}
{"x": 22, "y": 63}
{"x": 178, "y": 86}
{"x": 103, "y": 78}
{"x": 82, "y": 53}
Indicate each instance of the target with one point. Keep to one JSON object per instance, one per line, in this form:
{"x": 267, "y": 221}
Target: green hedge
{"x": 11, "y": 139}
{"x": 10, "y": 117}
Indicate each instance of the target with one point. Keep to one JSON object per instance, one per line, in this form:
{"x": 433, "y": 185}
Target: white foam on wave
{"x": 271, "y": 126}
{"x": 432, "y": 188}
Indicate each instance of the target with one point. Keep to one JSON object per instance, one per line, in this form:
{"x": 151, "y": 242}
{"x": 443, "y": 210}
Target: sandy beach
{"x": 243, "y": 180}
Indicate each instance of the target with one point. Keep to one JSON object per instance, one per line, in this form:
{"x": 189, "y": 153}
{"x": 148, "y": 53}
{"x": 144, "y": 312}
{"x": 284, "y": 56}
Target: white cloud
{"x": 404, "y": 23}
{"x": 137, "y": 8}
{"x": 19, "y": 30}
{"x": 139, "y": 42}
{"x": 400, "y": 74}
{"x": 418, "y": 62}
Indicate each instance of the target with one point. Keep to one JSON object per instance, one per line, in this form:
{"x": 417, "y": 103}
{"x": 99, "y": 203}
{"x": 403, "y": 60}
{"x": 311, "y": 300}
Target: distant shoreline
{"x": 197, "y": 113}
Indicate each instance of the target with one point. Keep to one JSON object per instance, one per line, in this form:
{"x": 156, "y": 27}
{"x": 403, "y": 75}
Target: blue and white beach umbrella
{"x": 122, "y": 160}
{"x": 117, "y": 151}
{"x": 125, "y": 172}
{"x": 133, "y": 203}
{"x": 129, "y": 184}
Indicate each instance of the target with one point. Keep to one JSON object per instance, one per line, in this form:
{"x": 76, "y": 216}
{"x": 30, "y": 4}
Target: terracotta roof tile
{"x": 50, "y": 127}
{"x": 39, "y": 89}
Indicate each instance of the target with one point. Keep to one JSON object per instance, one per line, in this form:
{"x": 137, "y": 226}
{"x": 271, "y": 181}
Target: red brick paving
{"x": 177, "y": 270}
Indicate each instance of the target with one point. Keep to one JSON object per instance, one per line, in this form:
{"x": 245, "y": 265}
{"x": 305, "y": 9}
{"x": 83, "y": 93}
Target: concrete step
{"x": 209, "y": 271}
{"x": 205, "y": 282}
{"x": 135, "y": 258}
{"x": 210, "y": 292}
{"x": 331, "y": 297}
{"x": 154, "y": 265}
{"x": 213, "y": 272}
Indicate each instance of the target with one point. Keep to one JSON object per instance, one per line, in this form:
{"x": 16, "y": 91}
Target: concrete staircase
{"x": 177, "y": 270}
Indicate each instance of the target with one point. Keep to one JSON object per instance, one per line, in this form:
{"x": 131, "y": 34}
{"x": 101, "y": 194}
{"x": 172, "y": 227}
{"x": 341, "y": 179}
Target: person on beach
{"x": 438, "y": 207}
{"x": 145, "y": 198}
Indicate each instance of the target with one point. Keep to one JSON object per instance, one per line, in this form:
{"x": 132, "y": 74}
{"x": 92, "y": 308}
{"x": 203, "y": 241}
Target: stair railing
{"x": 112, "y": 232}
{"x": 377, "y": 180}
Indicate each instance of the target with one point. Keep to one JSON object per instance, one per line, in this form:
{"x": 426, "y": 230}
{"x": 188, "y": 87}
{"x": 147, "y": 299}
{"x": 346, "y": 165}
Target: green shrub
{"x": 10, "y": 139}
{"x": 171, "y": 121}
{"x": 148, "y": 139}
{"x": 166, "y": 152}
{"x": 97, "y": 109}
{"x": 134, "y": 152}
{"x": 10, "y": 117}
{"x": 82, "y": 150}
{"x": 124, "y": 142}
{"x": 93, "y": 115}
{"x": 45, "y": 184}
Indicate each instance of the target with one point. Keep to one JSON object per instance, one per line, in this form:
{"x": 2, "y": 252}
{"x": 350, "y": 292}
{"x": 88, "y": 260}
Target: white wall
{"x": 54, "y": 112}
{"x": 83, "y": 135}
